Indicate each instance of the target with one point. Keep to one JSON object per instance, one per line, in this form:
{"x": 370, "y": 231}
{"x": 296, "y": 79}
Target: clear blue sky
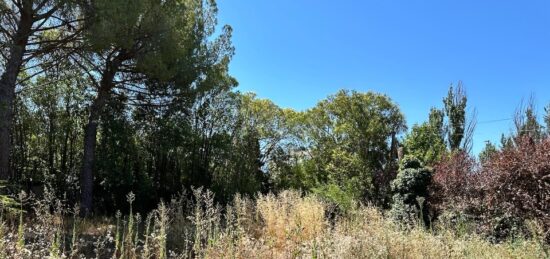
{"x": 296, "y": 52}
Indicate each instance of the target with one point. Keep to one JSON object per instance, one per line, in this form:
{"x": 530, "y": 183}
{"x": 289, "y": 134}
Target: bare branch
{"x": 468, "y": 140}
{"x": 87, "y": 71}
{"x": 46, "y": 15}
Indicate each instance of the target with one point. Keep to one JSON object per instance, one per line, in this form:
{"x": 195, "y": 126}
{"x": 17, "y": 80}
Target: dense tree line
{"x": 103, "y": 97}
{"x": 81, "y": 76}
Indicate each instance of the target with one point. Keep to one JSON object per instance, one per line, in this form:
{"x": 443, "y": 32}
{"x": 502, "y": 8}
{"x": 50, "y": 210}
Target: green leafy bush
{"x": 343, "y": 198}
{"x": 410, "y": 189}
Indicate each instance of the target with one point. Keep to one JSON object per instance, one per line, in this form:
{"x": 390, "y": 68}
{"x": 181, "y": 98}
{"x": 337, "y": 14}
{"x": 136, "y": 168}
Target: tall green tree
{"x": 526, "y": 122}
{"x": 49, "y": 114}
{"x": 142, "y": 49}
{"x": 455, "y": 109}
{"x": 30, "y": 30}
{"x": 459, "y": 129}
{"x": 427, "y": 140}
{"x": 237, "y": 136}
{"x": 526, "y": 125}
{"x": 348, "y": 138}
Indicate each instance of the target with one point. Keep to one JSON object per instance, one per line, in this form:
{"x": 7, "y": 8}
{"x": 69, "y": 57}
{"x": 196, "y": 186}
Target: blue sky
{"x": 297, "y": 52}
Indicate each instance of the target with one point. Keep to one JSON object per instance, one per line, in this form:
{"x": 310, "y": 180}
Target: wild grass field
{"x": 286, "y": 225}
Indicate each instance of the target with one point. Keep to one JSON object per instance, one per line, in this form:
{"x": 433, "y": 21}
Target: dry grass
{"x": 287, "y": 225}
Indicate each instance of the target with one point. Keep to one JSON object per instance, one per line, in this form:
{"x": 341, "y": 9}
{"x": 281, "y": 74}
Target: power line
{"x": 492, "y": 121}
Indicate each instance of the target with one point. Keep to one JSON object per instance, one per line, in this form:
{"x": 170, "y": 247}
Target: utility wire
{"x": 492, "y": 121}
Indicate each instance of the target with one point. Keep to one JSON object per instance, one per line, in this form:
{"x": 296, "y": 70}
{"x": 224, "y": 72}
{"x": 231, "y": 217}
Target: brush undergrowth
{"x": 287, "y": 225}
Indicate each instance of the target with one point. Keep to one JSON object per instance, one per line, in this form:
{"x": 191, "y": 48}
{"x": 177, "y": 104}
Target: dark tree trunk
{"x": 51, "y": 143}
{"x": 90, "y": 134}
{"x": 90, "y": 139}
{"x": 66, "y": 138}
{"x": 7, "y": 86}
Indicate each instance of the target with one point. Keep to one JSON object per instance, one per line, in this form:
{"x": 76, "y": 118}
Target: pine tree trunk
{"x": 6, "y": 123}
{"x": 90, "y": 140}
{"x": 7, "y": 87}
{"x": 90, "y": 134}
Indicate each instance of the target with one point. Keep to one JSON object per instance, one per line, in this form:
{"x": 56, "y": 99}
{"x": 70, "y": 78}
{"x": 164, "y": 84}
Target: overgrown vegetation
{"x": 110, "y": 110}
{"x": 502, "y": 195}
{"x": 287, "y": 225}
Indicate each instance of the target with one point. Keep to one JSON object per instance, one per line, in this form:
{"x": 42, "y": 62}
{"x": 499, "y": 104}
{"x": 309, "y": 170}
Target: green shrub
{"x": 343, "y": 198}
{"x": 410, "y": 189}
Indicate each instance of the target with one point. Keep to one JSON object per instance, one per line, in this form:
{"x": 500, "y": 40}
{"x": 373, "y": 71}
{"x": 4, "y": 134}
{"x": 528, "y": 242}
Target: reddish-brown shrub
{"x": 516, "y": 181}
{"x": 455, "y": 184}
{"x": 512, "y": 186}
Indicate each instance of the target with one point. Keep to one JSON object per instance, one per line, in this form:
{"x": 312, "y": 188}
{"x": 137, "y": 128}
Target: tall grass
{"x": 287, "y": 225}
